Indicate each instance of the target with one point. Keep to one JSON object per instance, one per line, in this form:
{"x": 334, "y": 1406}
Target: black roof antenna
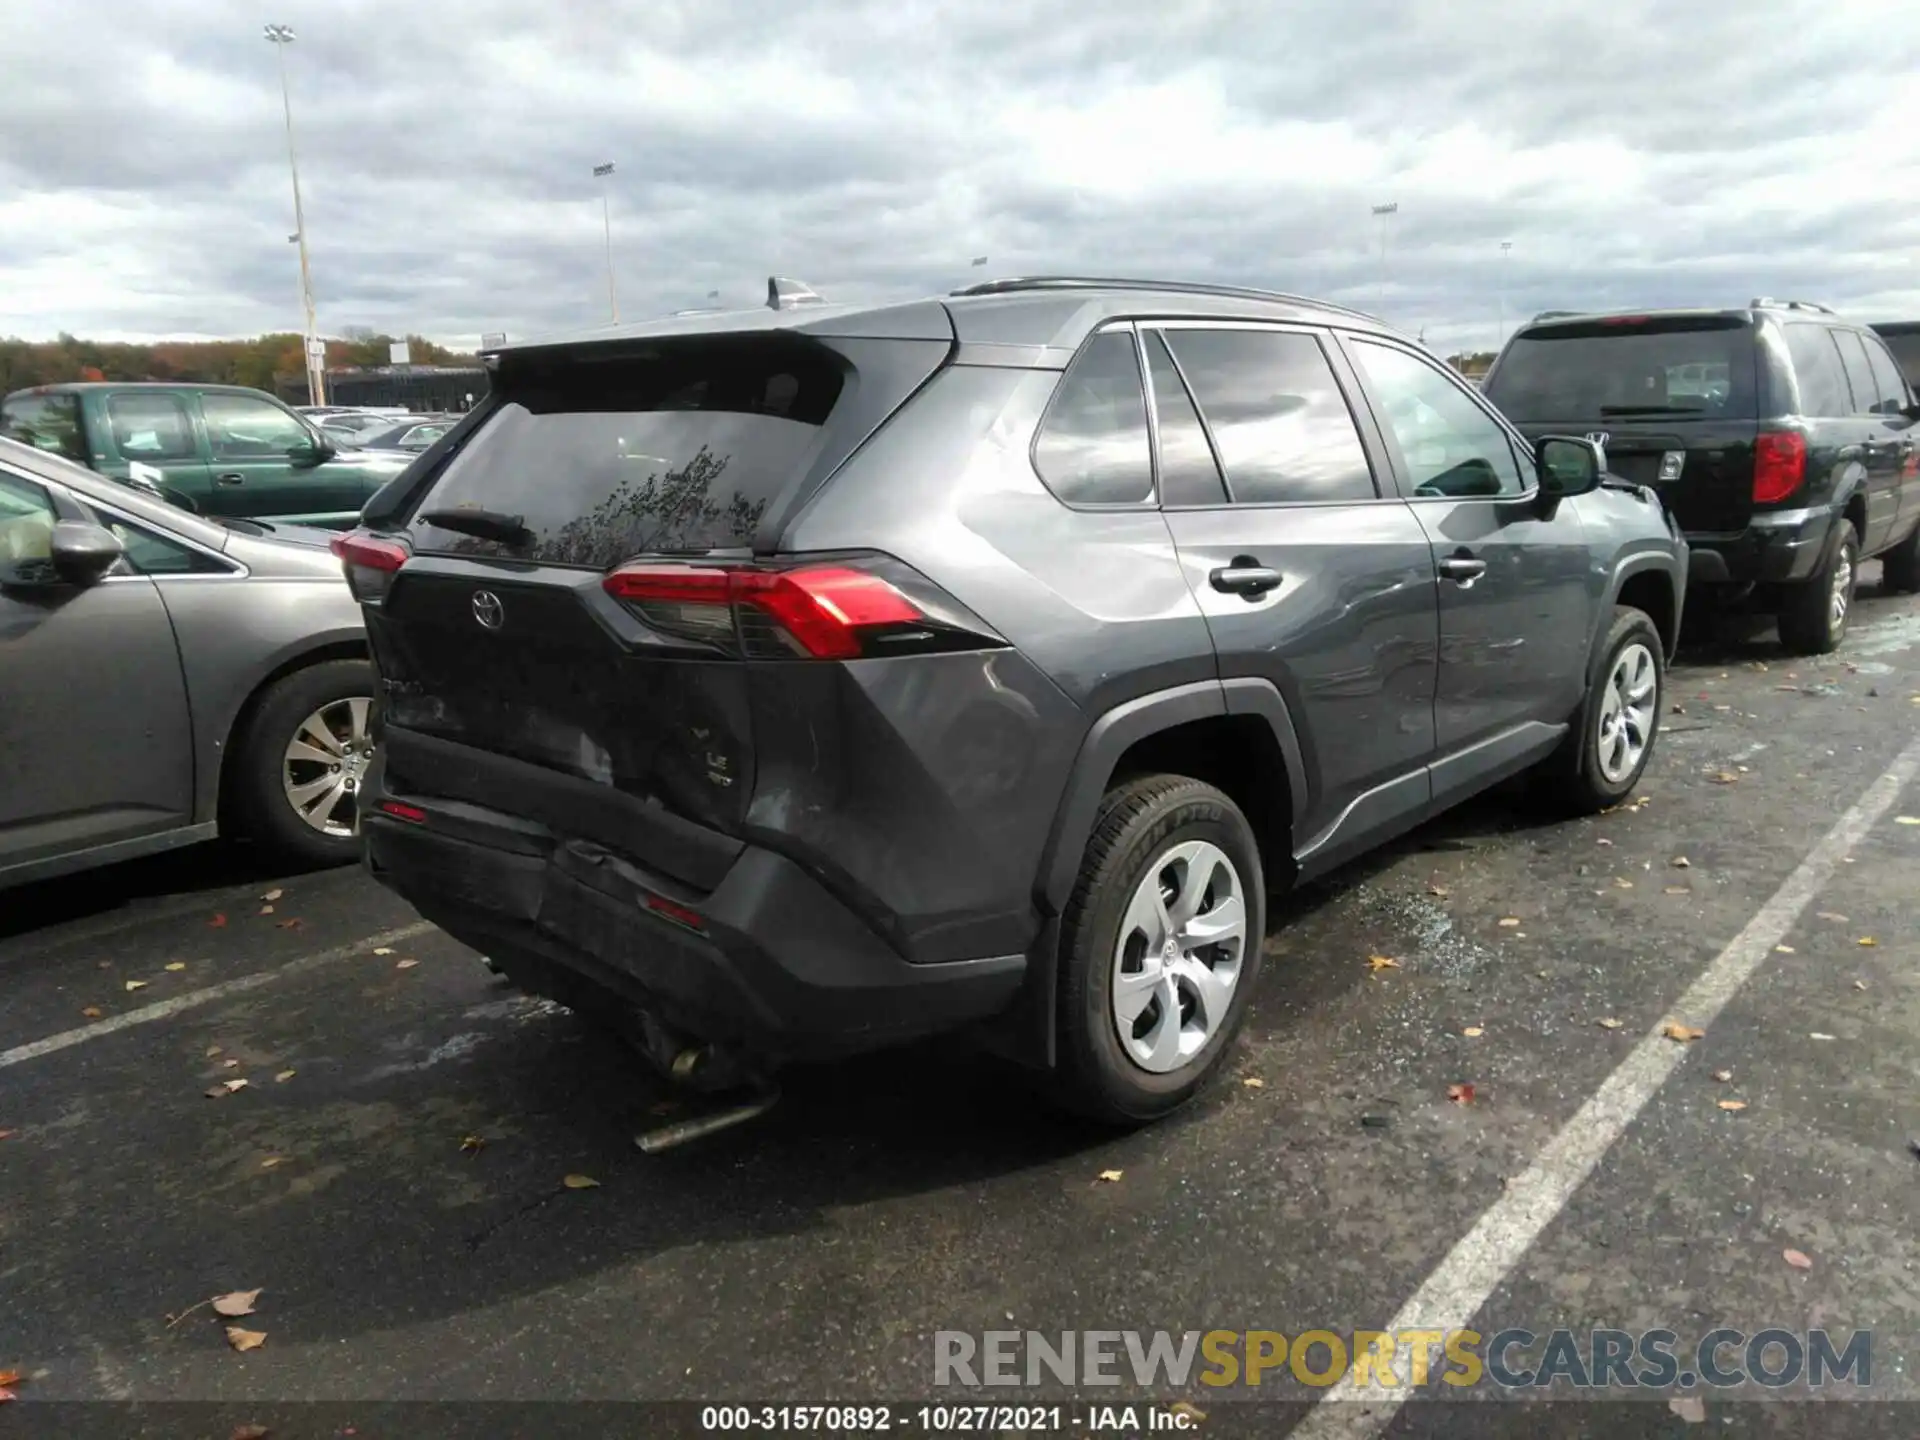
{"x": 784, "y": 294}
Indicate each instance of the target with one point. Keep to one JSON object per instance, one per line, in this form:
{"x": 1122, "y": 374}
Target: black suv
{"x": 803, "y": 680}
{"x": 1780, "y": 436}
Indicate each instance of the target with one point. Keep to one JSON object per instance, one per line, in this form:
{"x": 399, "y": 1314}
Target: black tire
{"x": 1139, "y": 823}
{"x": 256, "y": 795}
{"x": 1587, "y": 785}
{"x": 1900, "y": 566}
{"x": 1808, "y": 624}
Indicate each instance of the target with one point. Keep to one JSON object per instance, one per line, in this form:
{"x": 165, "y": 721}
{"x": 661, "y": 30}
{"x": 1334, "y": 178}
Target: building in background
{"x": 418, "y": 387}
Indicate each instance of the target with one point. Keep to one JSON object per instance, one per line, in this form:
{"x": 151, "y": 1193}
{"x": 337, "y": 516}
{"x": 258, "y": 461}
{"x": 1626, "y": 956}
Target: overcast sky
{"x": 1633, "y": 153}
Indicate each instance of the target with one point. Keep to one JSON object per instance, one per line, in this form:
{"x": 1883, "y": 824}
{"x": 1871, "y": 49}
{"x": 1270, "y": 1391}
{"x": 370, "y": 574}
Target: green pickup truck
{"x": 218, "y": 450}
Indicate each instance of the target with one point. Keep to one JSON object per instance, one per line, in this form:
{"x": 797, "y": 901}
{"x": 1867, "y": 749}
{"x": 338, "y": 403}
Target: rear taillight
{"x": 1779, "y": 465}
{"x": 828, "y": 611}
{"x": 370, "y": 562}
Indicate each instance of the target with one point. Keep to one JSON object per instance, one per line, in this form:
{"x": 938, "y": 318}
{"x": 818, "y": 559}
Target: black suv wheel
{"x": 1160, "y": 948}
{"x": 1814, "y": 614}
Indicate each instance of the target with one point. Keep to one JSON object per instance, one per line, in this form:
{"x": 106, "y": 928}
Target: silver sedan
{"x": 164, "y": 679}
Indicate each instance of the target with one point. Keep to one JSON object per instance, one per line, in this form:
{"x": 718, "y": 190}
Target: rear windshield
{"x": 678, "y": 450}
{"x": 1905, "y": 346}
{"x": 46, "y": 422}
{"x": 1605, "y": 369}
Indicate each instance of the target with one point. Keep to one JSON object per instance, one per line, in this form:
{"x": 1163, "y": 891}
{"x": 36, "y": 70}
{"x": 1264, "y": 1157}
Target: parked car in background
{"x": 168, "y": 678}
{"x": 1781, "y": 435}
{"x": 218, "y": 450}
{"x": 809, "y": 680}
{"x": 350, "y": 427}
{"x": 1903, "y": 339}
{"x": 411, "y": 435}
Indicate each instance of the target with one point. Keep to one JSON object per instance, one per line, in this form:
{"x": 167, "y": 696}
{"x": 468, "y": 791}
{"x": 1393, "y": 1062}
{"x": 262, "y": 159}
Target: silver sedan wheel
{"x": 1840, "y": 599}
{"x": 1627, "y": 713}
{"x": 324, "y": 764}
{"x": 1179, "y": 956}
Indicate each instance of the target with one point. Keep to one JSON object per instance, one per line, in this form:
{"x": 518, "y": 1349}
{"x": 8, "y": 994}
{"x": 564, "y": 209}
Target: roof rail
{"x": 1767, "y": 302}
{"x": 1165, "y": 287}
{"x": 1552, "y": 315}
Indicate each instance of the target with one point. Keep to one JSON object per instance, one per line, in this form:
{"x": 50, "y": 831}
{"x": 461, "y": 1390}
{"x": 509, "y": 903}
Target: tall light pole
{"x": 281, "y": 36}
{"x": 601, "y": 172}
{"x": 1506, "y": 248}
{"x": 1384, "y": 214}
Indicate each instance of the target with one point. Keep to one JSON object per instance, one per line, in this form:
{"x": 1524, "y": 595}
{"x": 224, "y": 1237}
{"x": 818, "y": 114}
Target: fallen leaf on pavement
{"x": 136, "y": 984}
{"x": 1690, "y": 1408}
{"x": 1620, "y": 882}
{"x": 1678, "y": 890}
{"x": 10, "y": 1378}
{"x": 1509, "y": 922}
{"x": 1723, "y": 1076}
{"x": 1187, "y": 1411}
{"x": 1725, "y": 777}
{"x": 1818, "y": 1035}
{"x": 273, "y": 1161}
{"x": 8, "y": 1134}
{"x": 580, "y": 1182}
{"x": 1796, "y": 1259}
{"x": 1382, "y": 962}
{"x": 272, "y": 895}
{"x": 1785, "y": 949}
{"x": 406, "y": 964}
{"x": 176, "y": 965}
{"x": 1253, "y": 1082}
{"x": 1866, "y": 940}
{"x": 92, "y": 1012}
{"x": 1733, "y": 1104}
{"x": 218, "y": 922}
{"x": 383, "y": 950}
{"x": 1674, "y": 1030}
{"x": 1680, "y": 862}
{"x": 472, "y": 1144}
{"x": 1460, "y": 1094}
{"x": 266, "y": 909}
{"x": 1609, "y": 1023}
{"x": 235, "y": 1304}
{"x": 244, "y": 1340}
{"x": 1473, "y": 1032}
{"x": 1906, "y": 819}
{"x": 1603, "y": 841}
{"x": 212, "y": 1050}
{"x": 249, "y": 1432}
{"x": 293, "y": 923}
{"x": 1837, "y": 919}
{"x": 1439, "y": 890}
{"x": 1111, "y": 1177}
{"x": 1859, "y": 984}
{"x": 226, "y": 1087}
{"x": 284, "y": 1076}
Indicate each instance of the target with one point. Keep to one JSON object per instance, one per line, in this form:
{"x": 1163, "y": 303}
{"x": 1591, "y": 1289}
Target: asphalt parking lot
{"x": 392, "y": 1176}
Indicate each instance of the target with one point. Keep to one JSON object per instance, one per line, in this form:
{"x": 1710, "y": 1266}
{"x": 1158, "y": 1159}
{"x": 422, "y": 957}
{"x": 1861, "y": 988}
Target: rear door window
{"x": 676, "y": 450}
{"x": 1905, "y": 345}
{"x": 1632, "y": 366}
{"x": 1092, "y": 448}
{"x": 151, "y": 427}
{"x": 1277, "y": 415}
{"x": 1889, "y": 391}
{"x": 1817, "y": 371}
{"x": 1853, "y": 355}
{"x": 1188, "y": 472}
{"x": 46, "y": 422}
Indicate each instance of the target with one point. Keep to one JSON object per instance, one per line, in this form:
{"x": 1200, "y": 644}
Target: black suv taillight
{"x": 370, "y": 562}
{"x": 839, "y": 609}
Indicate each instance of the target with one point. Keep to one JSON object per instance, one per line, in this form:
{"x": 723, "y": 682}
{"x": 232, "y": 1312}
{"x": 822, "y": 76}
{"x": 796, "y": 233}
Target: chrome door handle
{"x": 229, "y": 479}
{"x": 1462, "y": 569}
{"x": 1244, "y": 578}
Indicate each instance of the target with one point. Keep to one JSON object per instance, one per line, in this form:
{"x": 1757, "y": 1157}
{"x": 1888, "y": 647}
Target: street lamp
{"x": 601, "y": 172}
{"x": 1506, "y": 248}
{"x": 281, "y": 36}
{"x": 1384, "y": 214}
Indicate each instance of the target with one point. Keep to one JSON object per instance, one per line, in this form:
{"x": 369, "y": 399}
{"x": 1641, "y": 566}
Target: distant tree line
{"x": 252, "y": 362}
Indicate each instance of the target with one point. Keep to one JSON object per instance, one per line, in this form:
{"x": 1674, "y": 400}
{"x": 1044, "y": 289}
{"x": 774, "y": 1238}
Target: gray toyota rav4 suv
{"x": 798, "y": 681}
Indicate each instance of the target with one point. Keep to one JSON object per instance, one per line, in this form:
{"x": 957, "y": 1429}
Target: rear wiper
{"x": 1653, "y": 409}
{"x": 481, "y": 524}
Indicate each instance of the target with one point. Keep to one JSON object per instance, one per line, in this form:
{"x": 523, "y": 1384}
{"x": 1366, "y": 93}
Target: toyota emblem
{"x": 488, "y": 610}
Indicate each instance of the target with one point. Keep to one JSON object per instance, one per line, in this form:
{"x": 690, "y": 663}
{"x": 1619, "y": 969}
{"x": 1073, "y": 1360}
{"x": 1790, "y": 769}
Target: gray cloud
{"x": 1636, "y": 153}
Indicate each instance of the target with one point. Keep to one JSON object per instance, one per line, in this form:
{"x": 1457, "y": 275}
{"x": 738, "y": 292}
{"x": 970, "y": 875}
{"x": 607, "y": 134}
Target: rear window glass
{"x": 46, "y": 422}
{"x": 1092, "y": 447}
{"x": 1817, "y": 372}
{"x": 1906, "y": 349}
{"x": 1595, "y": 370}
{"x": 678, "y": 451}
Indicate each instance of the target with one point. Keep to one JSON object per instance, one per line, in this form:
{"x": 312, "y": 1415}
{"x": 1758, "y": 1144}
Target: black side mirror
{"x": 309, "y": 453}
{"x": 1569, "y": 466}
{"x": 1911, "y": 410}
{"x": 82, "y": 552}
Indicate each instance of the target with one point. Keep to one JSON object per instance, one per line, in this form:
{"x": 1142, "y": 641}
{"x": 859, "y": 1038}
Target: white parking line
{"x": 161, "y": 1009}
{"x": 1464, "y": 1280}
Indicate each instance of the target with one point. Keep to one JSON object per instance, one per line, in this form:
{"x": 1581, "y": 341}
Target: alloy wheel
{"x": 325, "y": 763}
{"x": 1627, "y": 712}
{"x": 1179, "y": 956}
